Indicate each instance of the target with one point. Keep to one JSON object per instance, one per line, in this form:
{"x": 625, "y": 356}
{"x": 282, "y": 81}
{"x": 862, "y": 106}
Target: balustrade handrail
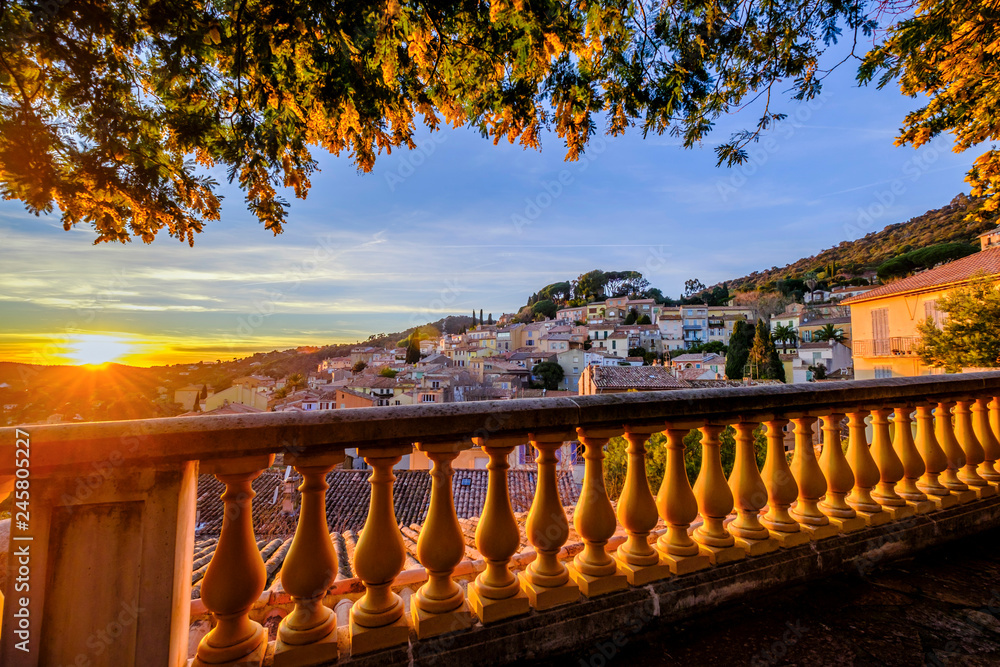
{"x": 173, "y": 440}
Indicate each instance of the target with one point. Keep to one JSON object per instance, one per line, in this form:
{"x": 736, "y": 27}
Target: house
{"x": 833, "y": 356}
{"x": 707, "y": 361}
{"x": 617, "y": 379}
{"x": 810, "y": 325}
{"x": 884, "y": 320}
{"x": 574, "y": 314}
{"x": 249, "y": 394}
{"x": 188, "y": 396}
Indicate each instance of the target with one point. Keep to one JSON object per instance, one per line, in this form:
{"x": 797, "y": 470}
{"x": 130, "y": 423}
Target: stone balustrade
{"x": 113, "y": 511}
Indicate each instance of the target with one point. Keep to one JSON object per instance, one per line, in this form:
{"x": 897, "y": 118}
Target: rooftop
{"x": 985, "y": 262}
{"x": 635, "y": 377}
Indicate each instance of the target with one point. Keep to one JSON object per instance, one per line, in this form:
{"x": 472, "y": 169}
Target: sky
{"x": 460, "y": 224}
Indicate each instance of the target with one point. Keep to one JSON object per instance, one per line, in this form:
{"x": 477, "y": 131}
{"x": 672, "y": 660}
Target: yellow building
{"x": 884, "y": 320}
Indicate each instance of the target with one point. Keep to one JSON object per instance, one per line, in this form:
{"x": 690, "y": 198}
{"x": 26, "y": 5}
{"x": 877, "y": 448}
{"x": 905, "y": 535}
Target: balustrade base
{"x": 366, "y": 640}
{"x": 489, "y": 610}
{"x": 789, "y": 540}
{"x": 873, "y": 519}
{"x": 427, "y": 624}
{"x": 943, "y": 502}
{"x": 592, "y": 586}
{"x": 898, "y": 512}
{"x": 640, "y": 575}
{"x": 546, "y": 597}
{"x": 253, "y": 659}
{"x": 964, "y": 496}
{"x": 922, "y": 506}
{"x": 722, "y": 555}
{"x": 817, "y": 533}
{"x": 757, "y": 547}
{"x": 987, "y": 491}
{"x": 324, "y": 651}
{"x": 847, "y": 524}
{"x": 685, "y": 564}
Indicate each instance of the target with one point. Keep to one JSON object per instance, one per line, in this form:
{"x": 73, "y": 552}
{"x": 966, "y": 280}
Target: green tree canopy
{"x": 829, "y": 332}
{"x": 545, "y": 308}
{"x": 970, "y": 336}
{"x": 113, "y": 112}
{"x": 740, "y": 342}
{"x": 550, "y": 373}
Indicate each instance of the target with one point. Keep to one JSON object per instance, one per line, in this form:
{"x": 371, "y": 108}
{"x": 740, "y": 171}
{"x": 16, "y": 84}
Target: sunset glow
{"x": 96, "y": 349}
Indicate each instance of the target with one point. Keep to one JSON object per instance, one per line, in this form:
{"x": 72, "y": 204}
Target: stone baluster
{"x": 377, "y": 620}
{"x": 866, "y": 474}
{"x": 812, "y": 484}
{"x": 715, "y": 501}
{"x": 974, "y": 454}
{"x": 637, "y": 514}
{"x": 749, "y": 495}
{"x": 839, "y": 477}
{"x": 935, "y": 462}
{"x": 546, "y": 580}
{"x": 593, "y": 569}
{"x": 309, "y": 632}
{"x": 495, "y": 594}
{"x": 439, "y": 606}
{"x": 995, "y": 417}
{"x": 236, "y": 576}
{"x": 984, "y": 433}
{"x": 913, "y": 465}
{"x": 781, "y": 489}
{"x": 677, "y": 506}
{"x": 890, "y": 468}
{"x": 944, "y": 429}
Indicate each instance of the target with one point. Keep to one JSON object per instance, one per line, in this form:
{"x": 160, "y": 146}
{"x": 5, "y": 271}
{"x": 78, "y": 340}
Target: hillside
{"x": 947, "y": 224}
{"x": 116, "y": 391}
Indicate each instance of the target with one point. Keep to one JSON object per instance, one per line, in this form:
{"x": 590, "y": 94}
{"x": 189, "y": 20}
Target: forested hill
{"x": 944, "y": 225}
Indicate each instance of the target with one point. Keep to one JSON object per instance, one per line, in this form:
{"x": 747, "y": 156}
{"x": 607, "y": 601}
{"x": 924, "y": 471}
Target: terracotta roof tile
{"x": 986, "y": 261}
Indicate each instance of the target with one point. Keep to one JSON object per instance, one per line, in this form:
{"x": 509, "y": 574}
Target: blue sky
{"x": 460, "y": 224}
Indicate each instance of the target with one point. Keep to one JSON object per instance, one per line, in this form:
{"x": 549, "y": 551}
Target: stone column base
{"x": 757, "y": 547}
{"x": 943, "y": 502}
{"x": 816, "y": 533}
{"x": 898, "y": 512}
{"x": 253, "y": 659}
{"x": 722, "y": 555}
{"x": 427, "y": 624}
{"x": 981, "y": 492}
{"x": 323, "y": 651}
{"x": 685, "y": 564}
{"x": 789, "y": 540}
{"x": 592, "y": 586}
{"x": 873, "y": 519}
{"x": 847, "y": 525}
{"x": 922, "y": 506}
{"x": 546, "y": 597}
{"x": 489, "y": 610}
{"x": 366, "y": 640}
{"x": 640, "y": 575}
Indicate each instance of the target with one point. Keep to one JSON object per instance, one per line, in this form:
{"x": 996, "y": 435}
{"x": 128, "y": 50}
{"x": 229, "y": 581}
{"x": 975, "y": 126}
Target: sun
{"x": 97, "y": 349}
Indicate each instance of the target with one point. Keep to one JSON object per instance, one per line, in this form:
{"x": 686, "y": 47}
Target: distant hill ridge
{"x": 947, "y": 224}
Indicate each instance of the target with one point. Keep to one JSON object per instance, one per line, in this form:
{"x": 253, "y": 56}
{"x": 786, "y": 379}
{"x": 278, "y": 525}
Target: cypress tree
{"x": 739, "y": 349}
{"x": 413, "y": 350}
{"x": 481, "y": 320}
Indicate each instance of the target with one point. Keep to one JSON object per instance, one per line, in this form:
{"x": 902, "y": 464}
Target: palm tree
{"x": 829, "y": 332}
{"x": 785, "y": 333}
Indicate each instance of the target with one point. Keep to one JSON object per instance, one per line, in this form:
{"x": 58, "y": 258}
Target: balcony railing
{"x": 112, "y": 513}
{"x": 895, "y": 346}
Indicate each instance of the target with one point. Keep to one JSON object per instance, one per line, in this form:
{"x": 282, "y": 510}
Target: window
{"x": 428, "y": 398}
{"x": 932, "y": 313}
{"x": 880, "y": 331}
{"x": 882, "y": 372}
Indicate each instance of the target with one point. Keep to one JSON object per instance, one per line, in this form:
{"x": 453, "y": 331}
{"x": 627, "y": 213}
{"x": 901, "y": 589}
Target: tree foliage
{"x": 112, "y": 112}
{"x": 829, "y": 332}
{"x": 924, "y": 258}
{"x": 970, "y": 336}
{"x": 550, "y": 373}
{"x": 740, "y": 342}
